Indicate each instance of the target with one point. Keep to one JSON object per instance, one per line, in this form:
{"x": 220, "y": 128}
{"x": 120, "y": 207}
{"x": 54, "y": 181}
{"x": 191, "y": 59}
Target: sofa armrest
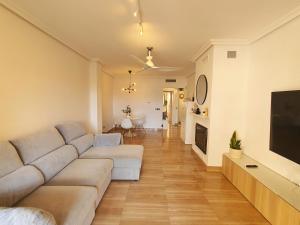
{"x": 25, "y": 216}
{"x": 112, "y": 139}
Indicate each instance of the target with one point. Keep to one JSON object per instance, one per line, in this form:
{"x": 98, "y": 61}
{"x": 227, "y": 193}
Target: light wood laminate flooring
{"x": 174, "y": 189}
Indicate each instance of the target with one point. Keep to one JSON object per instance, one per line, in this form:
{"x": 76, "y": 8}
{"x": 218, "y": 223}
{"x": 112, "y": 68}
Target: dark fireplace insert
{"x": 201, "y": 137}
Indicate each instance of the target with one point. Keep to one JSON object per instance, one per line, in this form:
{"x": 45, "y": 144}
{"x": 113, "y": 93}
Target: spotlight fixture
{"x": 141, "y": 29}
{"x": 130, "y": 88}
{"x": 138, "y": 14}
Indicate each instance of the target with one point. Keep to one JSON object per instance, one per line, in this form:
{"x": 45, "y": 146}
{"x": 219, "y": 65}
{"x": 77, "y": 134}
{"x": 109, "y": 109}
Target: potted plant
{"x": 127, "y": 111}
{"x": 235, "y": 146}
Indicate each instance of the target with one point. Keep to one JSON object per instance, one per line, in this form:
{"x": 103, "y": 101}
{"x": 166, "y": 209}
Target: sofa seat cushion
{"x": 84, "y": 172}
{"x": 129, "y": 156}
{"x": 68, "y": 204}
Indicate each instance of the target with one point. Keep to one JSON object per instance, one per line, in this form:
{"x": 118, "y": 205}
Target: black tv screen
{"x": 285, "y": 124}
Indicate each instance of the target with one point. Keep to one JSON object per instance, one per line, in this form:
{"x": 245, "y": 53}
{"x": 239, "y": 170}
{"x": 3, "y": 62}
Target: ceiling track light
{"x": 141, "y": 29}
{"x": 138, "y": 14}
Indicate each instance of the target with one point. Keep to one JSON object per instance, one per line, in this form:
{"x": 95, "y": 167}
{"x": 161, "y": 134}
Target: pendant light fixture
{"x": 130, "y": 88}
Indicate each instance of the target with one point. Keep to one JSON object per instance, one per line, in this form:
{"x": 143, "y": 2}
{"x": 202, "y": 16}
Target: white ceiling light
{"x": 149, "y": 64}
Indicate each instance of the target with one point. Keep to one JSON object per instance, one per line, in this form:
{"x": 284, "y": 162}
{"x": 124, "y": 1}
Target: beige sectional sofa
{"x": 64, "y": 171}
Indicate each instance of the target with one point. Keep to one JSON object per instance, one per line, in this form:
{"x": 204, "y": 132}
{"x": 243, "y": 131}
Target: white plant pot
{"x": 234, "y": 153}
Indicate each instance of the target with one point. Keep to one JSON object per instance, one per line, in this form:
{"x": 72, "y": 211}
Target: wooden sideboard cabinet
{"x": 275, "y": 197}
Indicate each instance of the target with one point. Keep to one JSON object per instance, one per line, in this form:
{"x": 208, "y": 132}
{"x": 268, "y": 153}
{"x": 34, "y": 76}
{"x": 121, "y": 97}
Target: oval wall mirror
{"x": 201, "y": 89}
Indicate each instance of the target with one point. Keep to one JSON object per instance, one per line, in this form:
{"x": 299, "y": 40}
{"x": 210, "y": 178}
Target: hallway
{"x": 174, "y": 189}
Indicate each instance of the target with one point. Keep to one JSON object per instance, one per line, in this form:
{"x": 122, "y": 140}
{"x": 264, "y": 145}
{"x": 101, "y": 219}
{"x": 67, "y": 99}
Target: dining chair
{"x": 139, "y": 122}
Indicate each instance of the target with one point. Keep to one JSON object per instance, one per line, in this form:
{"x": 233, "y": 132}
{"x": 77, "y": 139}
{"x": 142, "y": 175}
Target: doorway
{"x": 172, "y": 107}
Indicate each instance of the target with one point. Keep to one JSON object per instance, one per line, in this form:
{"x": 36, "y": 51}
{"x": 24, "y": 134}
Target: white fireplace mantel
{"x": 204, "y": 121}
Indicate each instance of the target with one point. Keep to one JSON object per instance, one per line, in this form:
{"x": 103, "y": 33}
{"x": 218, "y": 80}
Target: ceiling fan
{"x": 149, "y": 64}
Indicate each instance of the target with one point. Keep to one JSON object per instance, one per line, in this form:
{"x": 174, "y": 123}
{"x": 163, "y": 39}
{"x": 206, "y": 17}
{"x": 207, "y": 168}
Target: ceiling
{"x": 107, "y": 29}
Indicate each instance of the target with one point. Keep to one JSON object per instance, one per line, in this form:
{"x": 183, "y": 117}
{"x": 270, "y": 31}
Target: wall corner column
{"x": 95, "y": 95}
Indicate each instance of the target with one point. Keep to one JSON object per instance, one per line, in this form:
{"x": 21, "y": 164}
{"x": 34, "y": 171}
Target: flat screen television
{"x": 285, "y": 124}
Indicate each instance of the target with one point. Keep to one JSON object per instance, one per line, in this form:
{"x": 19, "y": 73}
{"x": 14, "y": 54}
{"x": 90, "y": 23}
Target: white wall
{"x": 95, "y": 95}
{"x": 226, "y": 79}
{"x": 227, "y": 107}
{"x": 240, "y": 94}
{"x": 175, "y": 107}
{"x": 149, "y": 95}
{"x": 181, "y": 108}
{"x": 107, "y": 102}
{"x": 204, "y": 65}
{"x": 274, "y": 66}
{"x": 42, "y": 82}
{"x": 190, "y": 86}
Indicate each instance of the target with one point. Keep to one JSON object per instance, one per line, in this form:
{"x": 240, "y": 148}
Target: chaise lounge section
{"x": 127, "y": 159}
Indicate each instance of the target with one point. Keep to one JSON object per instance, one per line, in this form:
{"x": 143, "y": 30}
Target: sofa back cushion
{"x": 36, "y": 145}
{"x": 71, "y": 131}
{"x": 52, "y": 163}
{"x": 83, "y": 143}
{"x": 16, "y": 180}
{"x": 18, "y": 184}
{"x": 9, "y": 159}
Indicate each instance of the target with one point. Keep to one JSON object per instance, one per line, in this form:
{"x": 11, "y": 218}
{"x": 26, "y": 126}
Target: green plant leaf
{"x": 234, "y": 142}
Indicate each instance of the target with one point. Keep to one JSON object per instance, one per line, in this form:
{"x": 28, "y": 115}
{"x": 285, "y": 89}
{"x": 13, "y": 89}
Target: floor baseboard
{"x": 214, "y": 169}
{"x": 209, "y": 168}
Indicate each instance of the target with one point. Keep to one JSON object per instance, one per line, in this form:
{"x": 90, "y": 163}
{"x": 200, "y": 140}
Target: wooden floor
{"x": 174, "y": 189}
